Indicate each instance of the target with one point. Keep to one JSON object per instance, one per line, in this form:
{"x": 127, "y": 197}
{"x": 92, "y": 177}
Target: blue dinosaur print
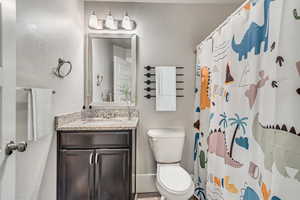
{"x": 254, "y": 36}
{"x": 250, "y": 194}
{"x": 197, "y": 137}
{"x": 254, "y": 2}
{"x": 211, "y": 116}
{"x": 275, "y": 198}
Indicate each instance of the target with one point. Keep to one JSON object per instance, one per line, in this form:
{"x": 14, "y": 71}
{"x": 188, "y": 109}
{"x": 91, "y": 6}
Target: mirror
{"x": 111, "y": 70}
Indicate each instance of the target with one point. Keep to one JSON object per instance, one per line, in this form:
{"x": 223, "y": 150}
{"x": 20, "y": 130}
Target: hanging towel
{"x": 165, "y": 88}
{"x": 40, "y": 116}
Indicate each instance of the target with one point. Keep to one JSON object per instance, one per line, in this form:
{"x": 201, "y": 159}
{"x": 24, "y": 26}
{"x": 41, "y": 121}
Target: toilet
{"x": 172, "y": 181}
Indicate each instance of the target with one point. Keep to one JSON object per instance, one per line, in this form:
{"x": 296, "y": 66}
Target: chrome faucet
{"x": 109, "y": 115}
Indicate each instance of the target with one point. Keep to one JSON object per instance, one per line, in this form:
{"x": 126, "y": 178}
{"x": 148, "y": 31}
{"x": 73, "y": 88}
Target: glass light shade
{"x": 126, "y": 22}
{"x": 110, "y": 22}
{"x": 93, "y": 20}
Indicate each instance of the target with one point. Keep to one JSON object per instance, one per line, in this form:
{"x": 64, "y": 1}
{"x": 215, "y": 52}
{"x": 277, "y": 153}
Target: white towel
{"x": 165, "y": 88}
{"x": 40, "y": 115}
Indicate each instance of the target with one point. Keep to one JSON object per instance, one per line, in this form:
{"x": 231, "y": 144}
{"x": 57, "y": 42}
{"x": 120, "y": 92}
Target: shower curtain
{"x": 247, "y": 106}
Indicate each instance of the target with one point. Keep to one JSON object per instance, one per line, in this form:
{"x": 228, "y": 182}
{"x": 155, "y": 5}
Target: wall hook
{"x": 297, "y": 17}
{"x": 58, "y": 70}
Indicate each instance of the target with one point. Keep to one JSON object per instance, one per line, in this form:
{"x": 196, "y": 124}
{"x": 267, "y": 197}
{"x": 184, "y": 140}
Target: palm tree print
{"x": 223, "y": 120}
{"x": 199, "y": 191}
{"x": 238, "y": 123}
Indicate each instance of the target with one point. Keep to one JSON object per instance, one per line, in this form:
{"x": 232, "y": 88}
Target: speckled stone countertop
{"x": 97, "y": 124}
{"x": 73, "y": 122}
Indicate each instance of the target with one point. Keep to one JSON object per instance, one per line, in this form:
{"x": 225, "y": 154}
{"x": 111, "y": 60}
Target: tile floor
{"x": 157, "y": 198}
{"x": 149, "y": 198}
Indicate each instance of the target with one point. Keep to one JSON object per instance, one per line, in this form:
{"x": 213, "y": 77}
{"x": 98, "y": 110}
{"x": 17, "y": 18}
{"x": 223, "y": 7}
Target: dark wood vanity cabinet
{"x": 112, "y": 174}
{"x": 96, "y": 165}
{"x": 76, "y": 175}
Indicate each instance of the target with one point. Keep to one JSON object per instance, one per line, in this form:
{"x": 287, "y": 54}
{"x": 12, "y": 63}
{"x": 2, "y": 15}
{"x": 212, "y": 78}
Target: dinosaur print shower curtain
{"x": 247, "y": 106}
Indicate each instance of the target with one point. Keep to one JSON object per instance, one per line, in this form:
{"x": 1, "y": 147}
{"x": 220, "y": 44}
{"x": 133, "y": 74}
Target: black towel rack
{"x": 148, "y": 89}
{"x": 149, "y": 67}
{"x": 149, "y": 96}
{"x": 149, "y": 80}
{"x": 149, "y": 75}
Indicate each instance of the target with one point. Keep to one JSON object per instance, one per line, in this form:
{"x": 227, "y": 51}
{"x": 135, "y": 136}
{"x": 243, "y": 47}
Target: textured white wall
{"x": 167, "y": 35}
{"x": 46, "y": 31}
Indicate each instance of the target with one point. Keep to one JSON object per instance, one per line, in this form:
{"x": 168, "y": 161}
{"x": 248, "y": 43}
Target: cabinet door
{"x": 76, "y": 175}
{"x": 112, "y": 174}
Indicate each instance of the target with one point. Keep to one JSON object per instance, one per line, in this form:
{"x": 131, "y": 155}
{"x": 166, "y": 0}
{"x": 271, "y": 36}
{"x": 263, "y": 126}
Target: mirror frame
{"x": 88, "y": 71}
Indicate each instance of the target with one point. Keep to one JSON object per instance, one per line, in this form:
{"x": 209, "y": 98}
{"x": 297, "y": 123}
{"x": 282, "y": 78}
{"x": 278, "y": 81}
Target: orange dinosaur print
{"x": 247, "y": 6}
{"x": 223, "y": 183}
{"x": 217, "y": 181}
{"x": 204, "y": 97}
{"x": 266, "y": 194}
{"x": 230, "y": 187}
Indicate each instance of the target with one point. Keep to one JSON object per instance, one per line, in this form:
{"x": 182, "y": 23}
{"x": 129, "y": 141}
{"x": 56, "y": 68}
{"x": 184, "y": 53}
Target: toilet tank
{"x": 167, "y": 144}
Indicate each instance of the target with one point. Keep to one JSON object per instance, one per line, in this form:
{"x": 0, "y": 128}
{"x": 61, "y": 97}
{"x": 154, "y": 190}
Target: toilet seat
{"x": 174, "y": 179}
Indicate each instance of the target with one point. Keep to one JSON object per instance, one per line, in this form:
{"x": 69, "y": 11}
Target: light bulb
{"x": 110, "y": 22}
{"x": 93, "y": 21}
{"x": 126, "y": 22}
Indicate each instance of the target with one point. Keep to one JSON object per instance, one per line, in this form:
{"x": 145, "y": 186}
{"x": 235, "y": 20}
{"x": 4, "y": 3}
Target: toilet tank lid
{"x": 166, "y": 133}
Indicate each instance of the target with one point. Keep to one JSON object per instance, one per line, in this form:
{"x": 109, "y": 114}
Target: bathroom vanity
{"x": 97, "y": 156}
{"x": 97, "y": 159}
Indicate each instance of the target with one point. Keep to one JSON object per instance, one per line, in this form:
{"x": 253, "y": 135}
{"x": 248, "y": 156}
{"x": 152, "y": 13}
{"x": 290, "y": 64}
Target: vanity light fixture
{"x": 110, "y": 22}
{"x": 93, "y": 20}
{"x": 126, "y": 22}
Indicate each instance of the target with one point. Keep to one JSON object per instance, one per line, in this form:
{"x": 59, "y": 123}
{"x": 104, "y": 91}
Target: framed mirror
{"x": 110, "y": 73}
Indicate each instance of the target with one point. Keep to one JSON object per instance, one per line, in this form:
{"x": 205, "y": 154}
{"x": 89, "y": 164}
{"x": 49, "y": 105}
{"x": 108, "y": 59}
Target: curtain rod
{"x": 224, "y": 23}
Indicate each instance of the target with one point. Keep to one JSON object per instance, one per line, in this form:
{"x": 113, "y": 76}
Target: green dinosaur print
{"x": 280, "y": 146}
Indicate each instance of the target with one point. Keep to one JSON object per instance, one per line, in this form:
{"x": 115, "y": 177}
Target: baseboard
{"x": 147, "y": 195}
{"x": 145, "y": 183}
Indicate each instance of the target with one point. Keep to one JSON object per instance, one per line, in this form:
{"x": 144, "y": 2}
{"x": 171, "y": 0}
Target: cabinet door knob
{"x": 97, "y": 158}
{"x": 91, "y": 158}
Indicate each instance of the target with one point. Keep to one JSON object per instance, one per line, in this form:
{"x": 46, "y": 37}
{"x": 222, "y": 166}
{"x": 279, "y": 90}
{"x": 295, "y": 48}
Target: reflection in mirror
{"x": 112, "y": 70}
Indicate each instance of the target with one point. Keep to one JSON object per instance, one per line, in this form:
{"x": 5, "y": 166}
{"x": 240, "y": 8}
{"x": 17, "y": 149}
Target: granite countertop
{"x": 119, "y": 121}
{"x": 97, "y": 124}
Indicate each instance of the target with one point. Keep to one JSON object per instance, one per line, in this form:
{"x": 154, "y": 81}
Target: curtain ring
{"x": 61, "y": 63}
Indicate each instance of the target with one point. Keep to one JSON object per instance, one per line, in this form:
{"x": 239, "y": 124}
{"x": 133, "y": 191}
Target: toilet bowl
{"x": 172, "y": 181}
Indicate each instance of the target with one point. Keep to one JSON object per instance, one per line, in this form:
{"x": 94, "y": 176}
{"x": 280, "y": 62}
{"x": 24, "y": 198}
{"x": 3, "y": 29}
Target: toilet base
{"x": 164, "y": 193}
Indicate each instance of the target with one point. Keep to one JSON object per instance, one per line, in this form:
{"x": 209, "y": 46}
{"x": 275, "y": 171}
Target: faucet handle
{"x": 109, "y": 114}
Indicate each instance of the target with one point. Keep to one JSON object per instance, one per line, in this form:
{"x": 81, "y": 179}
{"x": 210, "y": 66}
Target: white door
{"x": 7, "y": 97}
{"x": 122, "y": 78}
